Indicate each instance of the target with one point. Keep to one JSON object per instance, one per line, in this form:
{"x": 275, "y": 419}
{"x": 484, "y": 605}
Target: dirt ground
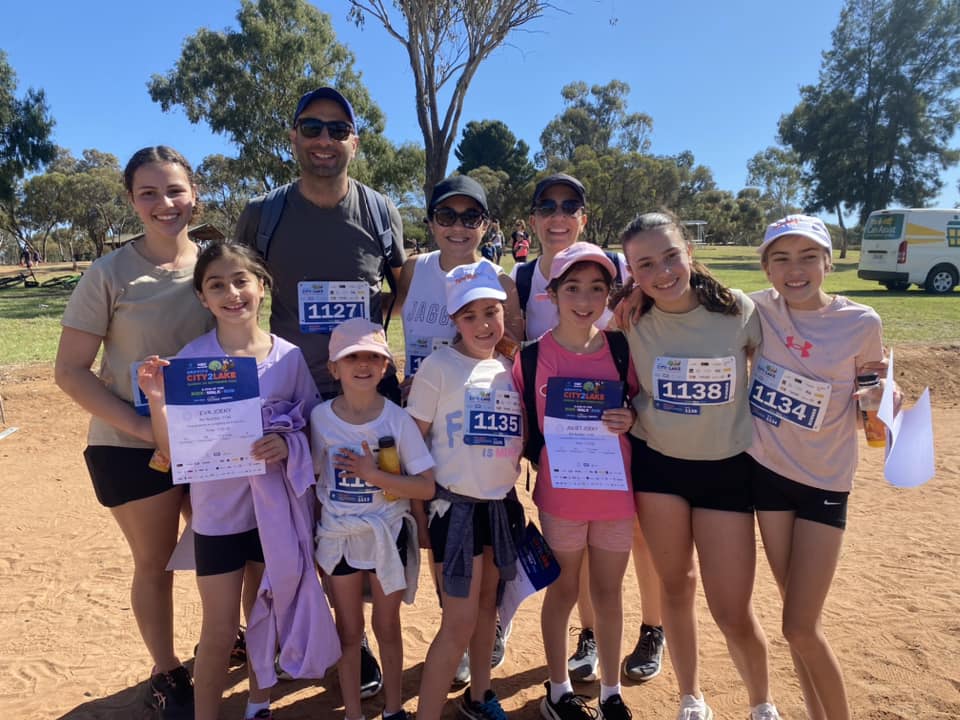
{"x": 72, "y": 649}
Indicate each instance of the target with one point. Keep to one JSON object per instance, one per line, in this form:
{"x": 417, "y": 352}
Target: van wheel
{"x": 942, "y": 279}
{"x": 896, "y": 285}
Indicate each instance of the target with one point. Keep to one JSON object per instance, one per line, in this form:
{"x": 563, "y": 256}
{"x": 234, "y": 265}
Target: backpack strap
{"x": 524, "y": 279}
{"x": 620, "y": 351}
{"x": 376, "y": 205}
{"x": 528, "y": 367}
{"x": 612, "y": 256}
{"x": 271, "y": 208}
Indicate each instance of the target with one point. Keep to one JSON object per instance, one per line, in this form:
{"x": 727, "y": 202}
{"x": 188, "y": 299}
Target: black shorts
{"x": 344, "y": 568}
{"x": 777, "y": 493}
{"x": 708, "y": 484}
{"x": 218, "y": 554}
{"x": 122, "y": 474}
{"x": 440, "y": 526}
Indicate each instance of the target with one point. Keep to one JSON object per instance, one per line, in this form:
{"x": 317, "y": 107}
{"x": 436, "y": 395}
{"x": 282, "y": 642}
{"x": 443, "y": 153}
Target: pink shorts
{"x": 572, "y": 535}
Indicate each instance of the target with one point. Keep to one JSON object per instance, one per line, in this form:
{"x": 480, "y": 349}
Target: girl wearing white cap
{"x": 365, "y": 527}
{"x": 466, "y": 405}
{"x": 457, "y": 217}
{"x": 691, "y": 346}
{"x": 803, "y": 399}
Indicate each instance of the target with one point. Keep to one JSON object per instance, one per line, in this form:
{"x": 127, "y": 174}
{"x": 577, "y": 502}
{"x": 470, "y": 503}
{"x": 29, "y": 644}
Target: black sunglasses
{"x": 470, "y": 219}
{"x": 546, "y": 208}
{"x": 313, "y": 128}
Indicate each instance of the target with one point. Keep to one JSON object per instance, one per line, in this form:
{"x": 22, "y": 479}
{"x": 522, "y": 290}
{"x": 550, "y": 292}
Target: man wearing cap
{"x": 325, "y": 251}
{"x": 322, "y": 237}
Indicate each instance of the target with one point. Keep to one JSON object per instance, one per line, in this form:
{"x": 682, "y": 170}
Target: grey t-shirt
{"x": 312, "y": 243}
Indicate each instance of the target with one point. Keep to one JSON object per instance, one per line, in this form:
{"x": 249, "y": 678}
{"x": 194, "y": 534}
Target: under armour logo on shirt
{"x": 804, "y": 349}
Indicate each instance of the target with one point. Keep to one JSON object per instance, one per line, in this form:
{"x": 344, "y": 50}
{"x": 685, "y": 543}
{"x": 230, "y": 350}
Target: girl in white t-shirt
{"x": 365, "y": 528}
{"x": 464, "y": 400}
{"x": 691, "y": 346}
{"x": 805, "y": 440}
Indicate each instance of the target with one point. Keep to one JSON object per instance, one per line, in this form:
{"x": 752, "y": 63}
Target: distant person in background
{"x": 519, "y": 231}
{"x": 139, "y": 301}
{"x": 496, "y": 239}
{"x": 521, "y": 250}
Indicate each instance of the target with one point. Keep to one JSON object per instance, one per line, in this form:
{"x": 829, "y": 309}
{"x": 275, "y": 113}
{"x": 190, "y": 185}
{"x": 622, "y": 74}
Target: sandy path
{"x": 72, "y": 649}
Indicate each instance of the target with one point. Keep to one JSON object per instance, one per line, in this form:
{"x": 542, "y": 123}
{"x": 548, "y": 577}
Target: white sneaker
{"x": 692, "y": 708}
{"x": 764, "y": 711}
{"x": 462, "y": 676}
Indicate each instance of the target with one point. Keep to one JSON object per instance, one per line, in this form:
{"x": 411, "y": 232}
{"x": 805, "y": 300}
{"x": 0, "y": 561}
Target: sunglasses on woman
{"x": 546, "y": 208}
{"x": 470, "y": 219}
{"x": 313, "y": 128}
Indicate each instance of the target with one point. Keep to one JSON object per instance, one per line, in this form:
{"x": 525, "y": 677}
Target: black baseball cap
{"x": 458, "y": 185}
{"x": 559, "y": 179}
{"x": 326, "y": 93}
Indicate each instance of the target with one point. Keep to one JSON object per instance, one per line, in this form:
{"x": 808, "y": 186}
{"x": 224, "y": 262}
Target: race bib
{"x": 325, "y": 304}
{"x": 348, "y": 488}
{"x": 419, "y": 348}
{"x": 493, "y": 417}
{"x": 777, "y": 394}
{"x": 684, "y": 385}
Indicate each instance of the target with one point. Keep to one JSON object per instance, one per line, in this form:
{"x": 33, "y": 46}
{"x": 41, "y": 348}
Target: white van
{"x": 912, "y": 246}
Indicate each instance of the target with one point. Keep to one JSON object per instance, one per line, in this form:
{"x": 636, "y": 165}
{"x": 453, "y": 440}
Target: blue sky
{"x": 715, "y": 77}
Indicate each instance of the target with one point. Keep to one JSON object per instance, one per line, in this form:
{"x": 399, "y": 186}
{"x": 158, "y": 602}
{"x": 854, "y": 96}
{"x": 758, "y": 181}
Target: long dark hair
{"x": 711, "y": 293}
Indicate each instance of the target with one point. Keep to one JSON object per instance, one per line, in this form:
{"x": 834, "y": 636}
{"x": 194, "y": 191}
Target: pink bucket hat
{"x": 580, "y": 252}
{"x": 358, "y": 335}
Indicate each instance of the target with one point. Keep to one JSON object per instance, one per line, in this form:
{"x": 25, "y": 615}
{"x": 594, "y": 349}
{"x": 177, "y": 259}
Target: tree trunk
{"x": 843, "y": 233}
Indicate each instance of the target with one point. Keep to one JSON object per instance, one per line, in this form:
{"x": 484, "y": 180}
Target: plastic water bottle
{"x": 873, "y": 428}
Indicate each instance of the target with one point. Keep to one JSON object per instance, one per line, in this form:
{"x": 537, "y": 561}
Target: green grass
{"x": 913, "y": 316}
{"x": 30, "y": 323}
{"x": 30, "y": 317}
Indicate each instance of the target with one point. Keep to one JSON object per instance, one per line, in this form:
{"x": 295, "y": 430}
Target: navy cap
{"x": 559, "y": 179}
{"x": 458, "y": 185}
{"x": 326, "y": 93}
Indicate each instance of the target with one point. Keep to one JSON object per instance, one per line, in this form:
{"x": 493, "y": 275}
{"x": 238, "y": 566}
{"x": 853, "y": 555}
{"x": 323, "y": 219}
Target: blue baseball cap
{"x": 326, "y": 93}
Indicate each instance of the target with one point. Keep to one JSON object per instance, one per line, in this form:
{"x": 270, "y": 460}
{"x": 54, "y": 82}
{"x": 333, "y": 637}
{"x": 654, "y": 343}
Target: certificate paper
{"x": 583, "y": 454}
{"x": 214, "y": 416}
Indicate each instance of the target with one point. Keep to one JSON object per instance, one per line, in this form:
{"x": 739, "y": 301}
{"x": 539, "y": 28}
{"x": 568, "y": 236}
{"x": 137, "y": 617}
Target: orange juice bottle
{"x": 873, "y": 428}
{"x": 388, "y": 459}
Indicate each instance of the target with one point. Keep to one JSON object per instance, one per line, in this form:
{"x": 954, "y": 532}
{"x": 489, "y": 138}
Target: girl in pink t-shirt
{"x": 572, "y": 518}
{"x": 805, "y": 453}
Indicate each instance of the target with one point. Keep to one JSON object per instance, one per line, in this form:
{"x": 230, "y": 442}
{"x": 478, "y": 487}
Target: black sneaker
{"x": 568, "y": 707}
{"x": 238, "y": 653}
{"x": 371, "y": 679}
{"x": 489, "y": 709}
{"x": 645, "y": 661}
{"x": 499, "y": 648}
{"x": 613, "y": 709}
{"x": 399, "y": 715}
{"x": 583, "y": 664}
{"x": 171, "y": 694}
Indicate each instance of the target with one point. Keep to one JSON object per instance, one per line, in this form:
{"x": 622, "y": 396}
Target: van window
{"x": 884, "y": 227}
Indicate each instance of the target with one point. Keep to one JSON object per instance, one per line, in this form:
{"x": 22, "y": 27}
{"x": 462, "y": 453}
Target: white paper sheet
{"x": 909, "y": 454}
